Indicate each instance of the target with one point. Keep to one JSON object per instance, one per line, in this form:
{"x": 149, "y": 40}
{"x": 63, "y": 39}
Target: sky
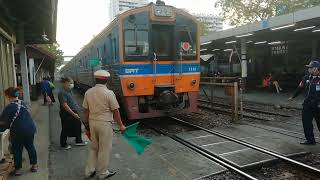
{"x": 80, "y": 20}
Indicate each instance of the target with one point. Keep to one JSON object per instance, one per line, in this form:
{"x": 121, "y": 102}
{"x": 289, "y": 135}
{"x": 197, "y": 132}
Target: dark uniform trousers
{"x": 71, "y": 127}
{"x": 309, "y": 113}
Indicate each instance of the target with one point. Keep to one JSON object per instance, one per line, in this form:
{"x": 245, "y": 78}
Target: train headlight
{"x": 194, "y": 81}
{"x": 131, "y": 85}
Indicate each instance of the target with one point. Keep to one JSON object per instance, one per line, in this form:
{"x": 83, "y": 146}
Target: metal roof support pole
{"x": 244, "y": 73}
{"x": 14, "y": 73}
{"x": 24, "y": 66}
{"x": 315, "y": 44}
{"x": 32, "y": 71}
{"x": 244, "y": 65}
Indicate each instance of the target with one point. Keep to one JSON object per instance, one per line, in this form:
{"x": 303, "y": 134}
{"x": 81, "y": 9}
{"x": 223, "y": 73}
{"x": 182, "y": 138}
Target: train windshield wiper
{"x": 189, "y": 34}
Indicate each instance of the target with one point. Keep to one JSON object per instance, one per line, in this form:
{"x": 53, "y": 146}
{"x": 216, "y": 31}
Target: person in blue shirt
{"x": 311, "y": 104}
{"x": 17, "y": 118}
{"x": 46, "y": 89}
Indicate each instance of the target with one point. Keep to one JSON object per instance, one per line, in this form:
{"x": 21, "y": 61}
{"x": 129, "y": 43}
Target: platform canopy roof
{"x": 300, "y": 25}
{"x": 38, "y": 17}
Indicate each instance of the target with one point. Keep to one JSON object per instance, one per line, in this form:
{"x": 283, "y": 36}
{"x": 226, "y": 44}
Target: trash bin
{"x": 34, "y": 93}
{"x": 229, "y": 90}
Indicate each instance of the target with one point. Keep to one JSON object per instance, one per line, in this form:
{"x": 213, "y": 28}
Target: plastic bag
{"x": 48, "y": 99}
{"x": 51, "y": 85}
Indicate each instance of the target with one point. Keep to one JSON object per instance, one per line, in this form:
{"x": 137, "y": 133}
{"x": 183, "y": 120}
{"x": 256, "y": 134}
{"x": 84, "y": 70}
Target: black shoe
{"x": 308, "y": 143}
{"x": 93, "y": 174}
{"x": 67, "y": 147}
{"x": 111, "y": 173}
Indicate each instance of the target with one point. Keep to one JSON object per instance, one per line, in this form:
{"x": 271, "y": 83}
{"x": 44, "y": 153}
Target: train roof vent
{"x": 159, "y": 2}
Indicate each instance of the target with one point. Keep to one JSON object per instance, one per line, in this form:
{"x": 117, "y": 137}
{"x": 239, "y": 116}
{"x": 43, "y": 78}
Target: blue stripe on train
{"x": 148, "y": 69}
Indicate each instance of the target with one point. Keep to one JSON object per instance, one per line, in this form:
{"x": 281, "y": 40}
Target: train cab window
{"x": 162, "y": 41}
{"x": 190, "y": 37}
{"x": 136, "y": 32}
{"x": 136, "y": 42}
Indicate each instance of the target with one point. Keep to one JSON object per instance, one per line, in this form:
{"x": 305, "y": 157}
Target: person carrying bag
{"x": 17, "y": 118}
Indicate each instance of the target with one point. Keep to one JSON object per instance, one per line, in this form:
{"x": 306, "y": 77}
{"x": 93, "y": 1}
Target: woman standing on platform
{"x": 16, "y": 117}
{"x": 70, "y": 119}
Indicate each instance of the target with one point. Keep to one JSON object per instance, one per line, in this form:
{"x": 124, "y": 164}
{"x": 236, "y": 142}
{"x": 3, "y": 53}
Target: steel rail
{"x": 228, "y": 112}
{"x": 249, "y": 109}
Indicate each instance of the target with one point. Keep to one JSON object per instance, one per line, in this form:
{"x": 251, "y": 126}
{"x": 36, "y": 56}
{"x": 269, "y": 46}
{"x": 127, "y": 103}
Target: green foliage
{"x": 54, "y": 49}
{"x": 204, "y": 30}
{"x": 240, "y": 12}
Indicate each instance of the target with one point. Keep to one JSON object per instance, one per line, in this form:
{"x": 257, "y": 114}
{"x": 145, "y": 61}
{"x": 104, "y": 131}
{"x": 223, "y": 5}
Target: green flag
{"x": 139, "y": 143}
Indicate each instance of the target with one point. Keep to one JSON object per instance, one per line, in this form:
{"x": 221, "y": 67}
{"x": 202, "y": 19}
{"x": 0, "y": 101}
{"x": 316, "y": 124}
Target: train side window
{"x": 162, "y": 41}
{"x": 114, "y": 45}
{"x": 109, "y": 57}
{"x": 80, "y": 63}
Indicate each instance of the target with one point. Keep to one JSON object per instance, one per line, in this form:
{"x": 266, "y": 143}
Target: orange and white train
{"x": 153, "y": 56}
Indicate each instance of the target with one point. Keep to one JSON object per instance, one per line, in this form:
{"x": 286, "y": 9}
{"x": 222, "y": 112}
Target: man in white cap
{"x": 101, "y": 108}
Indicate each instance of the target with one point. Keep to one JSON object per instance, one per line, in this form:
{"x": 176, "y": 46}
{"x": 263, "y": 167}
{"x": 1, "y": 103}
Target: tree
{"x": 54, "y": 49}
{"x": 240, "y": 12}
{"x": 204, "y": 30}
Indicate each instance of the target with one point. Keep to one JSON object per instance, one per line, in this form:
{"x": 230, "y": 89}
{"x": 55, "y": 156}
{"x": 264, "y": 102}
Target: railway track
{"x": 302, "y": 168}
{"x": 256, "y": 115}
{"x": 229, "y": 112}
{"x": 212, "y": 156}
{"x": 247, "y": 109}
{"x": 256, "y": 103}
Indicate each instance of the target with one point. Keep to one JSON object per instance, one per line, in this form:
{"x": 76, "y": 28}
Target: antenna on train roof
{"x": 159, "y": 2}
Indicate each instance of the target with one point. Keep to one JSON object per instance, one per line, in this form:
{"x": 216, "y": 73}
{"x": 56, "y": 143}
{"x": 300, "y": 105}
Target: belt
{"x": 99, "y": 120}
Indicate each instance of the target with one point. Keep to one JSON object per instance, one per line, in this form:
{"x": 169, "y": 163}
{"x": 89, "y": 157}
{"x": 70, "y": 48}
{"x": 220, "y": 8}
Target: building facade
{"x": 212, "y": 22}
{"x": 117, "y": 7}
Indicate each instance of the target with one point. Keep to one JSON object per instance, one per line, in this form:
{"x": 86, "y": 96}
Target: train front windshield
{"x": 162, "y": 41}
{"x": 143, "y": 39}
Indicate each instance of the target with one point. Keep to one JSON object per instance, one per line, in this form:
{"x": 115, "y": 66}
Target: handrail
{"x": 216, "y": 84}
{"x": 220, "y": 78}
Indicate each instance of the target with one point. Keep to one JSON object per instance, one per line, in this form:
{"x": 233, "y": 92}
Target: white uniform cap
{"x": 101, "y": 74}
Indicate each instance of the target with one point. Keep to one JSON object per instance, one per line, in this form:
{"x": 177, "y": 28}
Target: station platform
{"x": 259, "y": 96}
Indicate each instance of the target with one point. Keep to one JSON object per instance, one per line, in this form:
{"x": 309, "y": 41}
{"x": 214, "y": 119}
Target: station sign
{"x": 279, "y": 50}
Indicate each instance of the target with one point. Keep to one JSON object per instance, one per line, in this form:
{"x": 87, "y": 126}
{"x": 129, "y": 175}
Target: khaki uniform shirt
{"x": 100, "y": 101}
